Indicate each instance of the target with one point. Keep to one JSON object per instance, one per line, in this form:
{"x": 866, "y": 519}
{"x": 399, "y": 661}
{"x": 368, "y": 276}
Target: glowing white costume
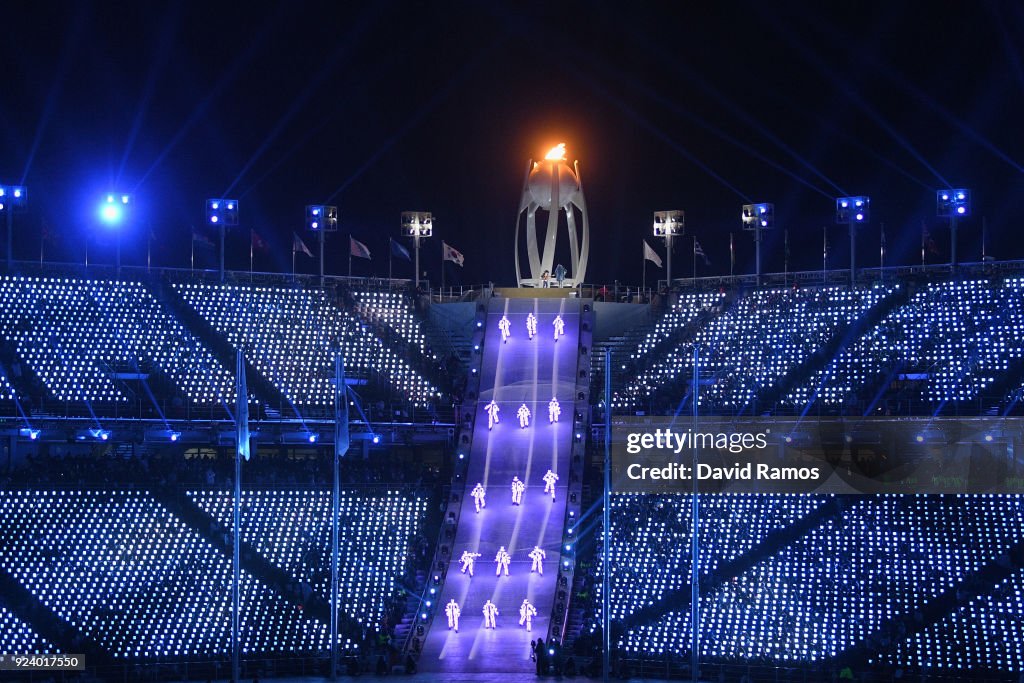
{"x": 468, "y": 559}
{"x": 554, "y": 410}
{"x": 537, "y": 555}
{"x": 524, "y": 416}
{"x": 506, "y": 329}
{"x": 531, "y": 325}
{"x": 479, "y": 493}
{"x": 490, "y": 611}
{"x": 526, "y": 614}
{"x": 559, "y": 327}
{"x": 517, "y": 491}
{"x": 453, "y": 612}
{"x": 502, "y": 559}
{"x": 549, "y": 483}
{"x": 492, "y": 414}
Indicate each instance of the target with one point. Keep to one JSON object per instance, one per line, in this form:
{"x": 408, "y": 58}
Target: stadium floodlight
{"x": 953, "y": 204}
{"x": 29, "y": 433}
{"x": 321, "y": 219}
{"x": 113, "y": 211}
{"x": 222, "y": 213}
{"x": 12, "y": 198}
{"x": 853, "y": 211}
{"x": 756, "y": 218}
{"x": 669, "y": 224}
{"x": 417, "y": 225}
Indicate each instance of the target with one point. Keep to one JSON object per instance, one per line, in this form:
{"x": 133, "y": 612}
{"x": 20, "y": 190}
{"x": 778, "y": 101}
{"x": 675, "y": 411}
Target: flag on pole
{"x": 299, "y": 246}
{"x": 732, "y": 253}
{"x": 449, "y": 253}
{"x": 699, "y": 251}
{"x": 257, "y": 242}
{"x": 398, "y": 250}
{"x": 358, "y": 249}
{"x": 651, "y": 255}
{"x": 926, "y": 240}
{"x": 202, "y": 240}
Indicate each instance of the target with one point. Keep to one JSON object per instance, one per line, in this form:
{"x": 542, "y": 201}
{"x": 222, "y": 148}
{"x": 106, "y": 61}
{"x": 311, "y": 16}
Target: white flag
{"x": 450, "y": 253}
{"x": 651, "y": 255}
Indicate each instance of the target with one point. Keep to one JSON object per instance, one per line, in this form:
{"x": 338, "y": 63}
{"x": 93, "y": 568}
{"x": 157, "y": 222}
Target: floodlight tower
{"x": 222, "y": 214}
{"x": 552, "y": 185}
{"x": 953, "y": 204}
{"x": 114, "y": 211}
{"x": 669, "y": 224}
{"x": 853, "y": 211}
{"x": 757, "y": 218}
{"x": 321, "y": 219}
{"x": 417, "y": 225}
{"x": 12, "y": 198}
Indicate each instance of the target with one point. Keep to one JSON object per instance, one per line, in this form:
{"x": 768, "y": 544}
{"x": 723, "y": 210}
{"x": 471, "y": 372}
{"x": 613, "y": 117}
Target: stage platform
{"x": 535, "y": 293}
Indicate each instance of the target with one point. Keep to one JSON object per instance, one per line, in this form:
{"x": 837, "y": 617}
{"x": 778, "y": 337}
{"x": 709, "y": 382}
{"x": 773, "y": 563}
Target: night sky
{"x": 386, "y": 106}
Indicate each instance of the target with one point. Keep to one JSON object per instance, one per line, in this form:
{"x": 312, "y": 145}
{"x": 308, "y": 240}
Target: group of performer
{"x": 524, "y": 414}
{"x": 526, "y": 614}
{"x": 503, "y": 560}
{"x": 479, "y": 492}
{"x": 505, "y": 325}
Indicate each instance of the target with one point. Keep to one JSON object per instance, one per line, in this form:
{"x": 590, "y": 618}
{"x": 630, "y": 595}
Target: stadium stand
{"x": 133, "y": 578}
{"x": 953, "y": 338}
{"x": 77, "y": 335}
{"x": 289, "y": 335}
{"x": 744, "y": 351}
{"x": 292, "y": 530}
{"x": 19, "y": 638}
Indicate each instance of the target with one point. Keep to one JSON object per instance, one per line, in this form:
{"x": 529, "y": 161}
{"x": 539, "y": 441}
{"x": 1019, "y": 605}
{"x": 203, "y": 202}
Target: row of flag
{"x": 652, "y": 256}
{"x": 356, "y": 248}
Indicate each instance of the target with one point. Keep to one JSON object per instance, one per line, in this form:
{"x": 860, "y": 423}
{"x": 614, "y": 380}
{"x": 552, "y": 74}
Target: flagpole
{"x": 785, "y": 257}
{"x": 824, "y": 252}
{"x": 251, "y": 238}
{"x": 732, "y": 254}
{"x": 349, "y": 255}
{"x": 922, "y": 243}
{"x": 695, "y": 261}
{"x": 881, "y": 249}
{"x": 149, "y": 249}
{"x": 293, "y": 257}
{"x": 984, "y": 237}
{"x": 643, "y": 263}
{"x": 442, "y": 268}
{"x": 390, "y": 258}
{"x": 192, "y": 253}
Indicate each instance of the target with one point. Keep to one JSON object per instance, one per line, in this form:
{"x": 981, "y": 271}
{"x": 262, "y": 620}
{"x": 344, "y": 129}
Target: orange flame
{"x": 556, "y": 153}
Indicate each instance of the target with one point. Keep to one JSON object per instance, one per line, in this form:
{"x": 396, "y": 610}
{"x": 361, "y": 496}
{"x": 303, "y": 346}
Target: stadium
{"x": 240, "y": 448}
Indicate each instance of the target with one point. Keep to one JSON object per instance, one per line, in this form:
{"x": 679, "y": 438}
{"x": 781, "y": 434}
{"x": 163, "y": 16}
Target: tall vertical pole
{"x": 757, "y": 253}
{"x": 952, "y": 243}
{"x": 341, "y": 444}
{"x": 984, "y": 238}
{"x": 643, "y": 263}
{"x": 322, "y": 258}
{"x": 241, "y": 451}
{"x": 222, "y": 252}
{"x": 606, "y": 520}
{"x": 732, "y": 254}
{"x": 694, "y": 260}
{"x": 694, "y": 542}
{"x": 416, "y": 244}
{"x": 853, "y": 254}
{"x": 390, "y": 258}
{"x": 668, "y": 248}
{"x": 9, "y": 210}
{"x": 118, "y": 253}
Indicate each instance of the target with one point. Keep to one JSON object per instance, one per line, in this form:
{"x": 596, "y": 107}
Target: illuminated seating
{"x": 393, "y": 310}
{"x": 123, "y": 571}
{"x": 75, "y": 335}
{"x": 292, "y": 530}
{"x": 952, "y": 338}
{"x": 292, "y": 335}
{"x": 757, "y": 342}
{"x": 836, "y": 587}
{"x": 18, "y": 638}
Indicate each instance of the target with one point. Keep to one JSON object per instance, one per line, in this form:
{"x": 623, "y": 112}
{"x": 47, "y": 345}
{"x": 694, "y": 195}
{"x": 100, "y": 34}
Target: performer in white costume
{"x": 537, "y": 555}
{"x": 453, "y": 612}
{"x": 549, "y": 483}
{"x": 502, "y": 559}
{"x": 479, "y": 493}
{"x": 490, "y": 611}
{"x": 531, "y": 325}
{"x": 526, "y": 614}
{"x": 559, "y": 327}
{"x": 517, "y": 491}
{"x": 492, "y": 414}
{"x": 554, "y": 410}
{"x": 506, "y": 329}
{"x": 524, "y": 416}
{"x": 468, "y": 559}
